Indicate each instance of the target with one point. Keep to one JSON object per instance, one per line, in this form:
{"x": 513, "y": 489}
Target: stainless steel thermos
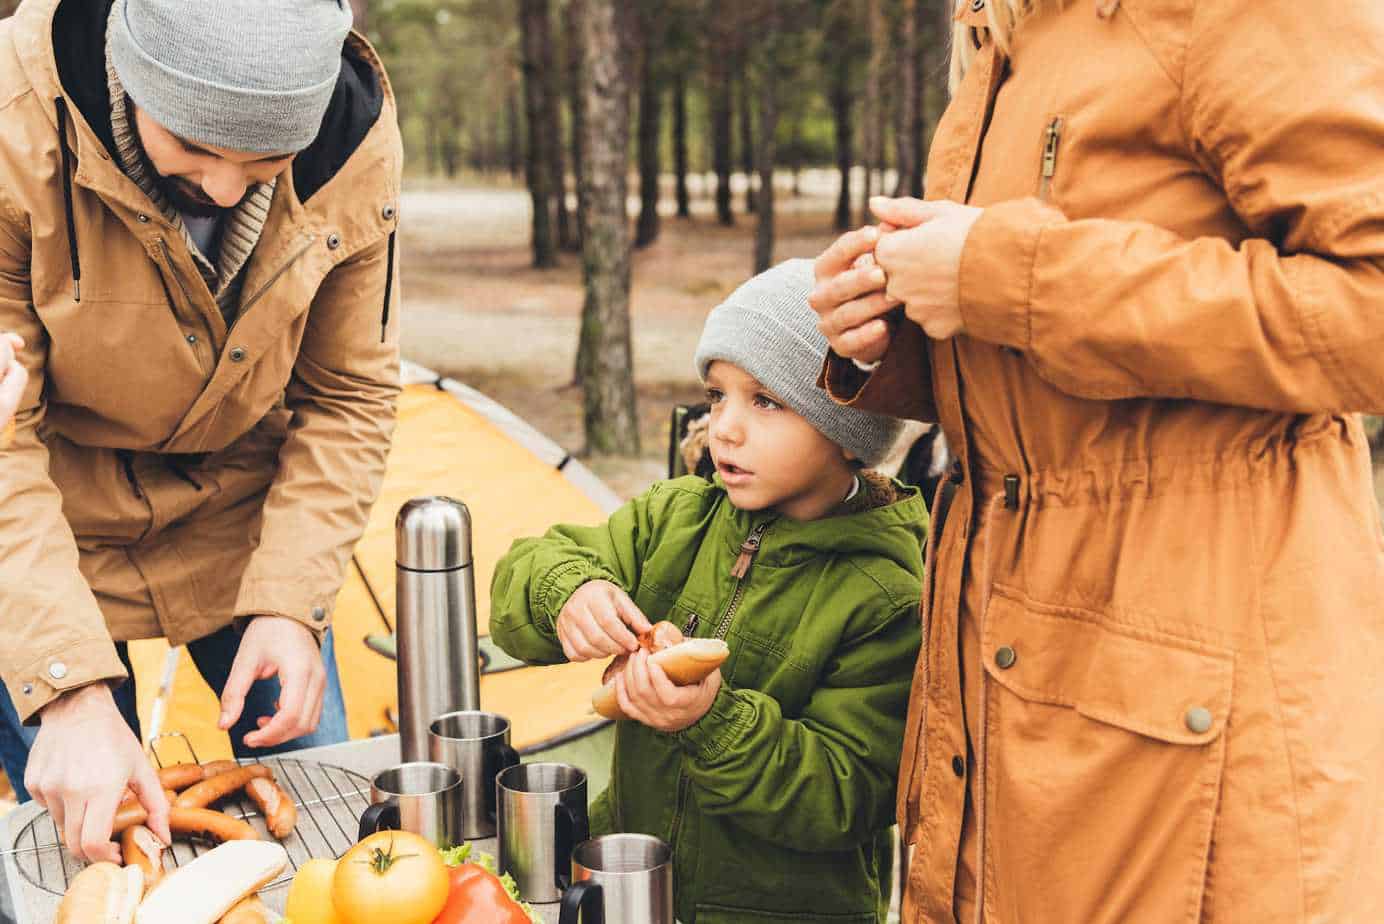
{"x": 439, "y": 668}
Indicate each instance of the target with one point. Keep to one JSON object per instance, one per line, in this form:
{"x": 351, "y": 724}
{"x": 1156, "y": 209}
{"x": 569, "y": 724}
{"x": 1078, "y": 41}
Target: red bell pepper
{"x": 478, "y": 897}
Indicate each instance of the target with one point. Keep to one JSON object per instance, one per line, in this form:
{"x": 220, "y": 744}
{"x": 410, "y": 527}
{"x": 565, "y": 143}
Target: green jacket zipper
{"x": 740, "y": 570}
{"x": 1052, "y": 140}
{"x": 748, "y": 549}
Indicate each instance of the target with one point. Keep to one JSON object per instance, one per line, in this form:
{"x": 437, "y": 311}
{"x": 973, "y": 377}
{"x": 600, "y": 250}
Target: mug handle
{"x": 507, "y": 757}
{"x": 568, "y": 832}
{"x": 381, "y": 815}
{"x": 583, "y": 898}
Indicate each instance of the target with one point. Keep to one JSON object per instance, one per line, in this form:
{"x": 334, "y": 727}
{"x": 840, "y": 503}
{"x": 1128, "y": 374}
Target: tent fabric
{"x": 454, "y": 441}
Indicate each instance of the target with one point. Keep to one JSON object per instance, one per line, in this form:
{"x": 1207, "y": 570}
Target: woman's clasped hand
{"x": 911, "y": 259}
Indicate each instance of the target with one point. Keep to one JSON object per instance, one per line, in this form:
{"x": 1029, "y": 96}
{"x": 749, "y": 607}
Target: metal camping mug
{"x": 423, "y": 798}
{"x": 541, "y": 816}
{"x": 476, "y": 745}
{"x": 620, "y": 879}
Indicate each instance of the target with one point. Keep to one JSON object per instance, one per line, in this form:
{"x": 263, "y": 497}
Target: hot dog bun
{"x": 685, "y": 663}
{"x": 103, "y": 893}
{"x": 247, "y": 911}
{"x": 205, "y": 889}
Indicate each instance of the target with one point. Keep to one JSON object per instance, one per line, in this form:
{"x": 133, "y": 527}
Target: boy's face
{"x": 767, "y": 455}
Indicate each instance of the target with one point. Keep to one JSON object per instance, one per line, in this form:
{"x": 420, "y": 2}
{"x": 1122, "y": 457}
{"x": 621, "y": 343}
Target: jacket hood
{"x": 78, "y": 38}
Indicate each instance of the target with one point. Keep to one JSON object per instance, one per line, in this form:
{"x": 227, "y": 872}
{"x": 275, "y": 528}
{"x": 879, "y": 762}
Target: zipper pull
{"x": 690, "y": 627}
{"x": 1049, "y": 154}
{"x": 748, "y": 549}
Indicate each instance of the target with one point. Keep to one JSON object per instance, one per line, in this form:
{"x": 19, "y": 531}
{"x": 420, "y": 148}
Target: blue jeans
{"x": 213, "y": 656}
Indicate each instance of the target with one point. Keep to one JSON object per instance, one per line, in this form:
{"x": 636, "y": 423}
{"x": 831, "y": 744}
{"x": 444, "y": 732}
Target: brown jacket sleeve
{"x": 1290, "y": 320}
{"x": 55, "y": 637}
{"x": 901, "y": 386}
{"x": 343, "y": 394}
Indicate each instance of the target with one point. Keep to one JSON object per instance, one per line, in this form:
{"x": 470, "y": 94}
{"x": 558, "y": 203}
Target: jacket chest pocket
{"x": 1104, "y": 750}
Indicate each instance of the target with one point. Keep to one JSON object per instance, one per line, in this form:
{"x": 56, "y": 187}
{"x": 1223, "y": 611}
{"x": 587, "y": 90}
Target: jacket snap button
{"x": 57, "y": 670}
{"x": 977, "y": 5}
{"x": 388, "y": 213}
{"x": 237, "y": 354}
{"x": 333, "y": 241}
{"x": 143, "y": 219}
{"x": 1199, "y": 720}
{"x": 192, "y": 338}
{"x": 958, "y": 766}
{"x": 318, "y": 614}
{"x": 28, "y": 689}
{"x": 1005, "y": 658}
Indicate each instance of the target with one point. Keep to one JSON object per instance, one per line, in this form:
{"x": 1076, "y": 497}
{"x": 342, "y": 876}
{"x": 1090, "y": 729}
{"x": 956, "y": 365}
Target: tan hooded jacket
{"x": 1152, "y": 687}
{"x": 169, "y": 475}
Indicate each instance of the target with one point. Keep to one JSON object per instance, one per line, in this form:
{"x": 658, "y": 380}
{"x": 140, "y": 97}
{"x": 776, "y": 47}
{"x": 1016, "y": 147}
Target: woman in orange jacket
{"x": 1145, "y": 299}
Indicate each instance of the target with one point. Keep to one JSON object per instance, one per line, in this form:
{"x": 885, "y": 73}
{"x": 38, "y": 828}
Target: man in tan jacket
{"x": 197, "y": 213}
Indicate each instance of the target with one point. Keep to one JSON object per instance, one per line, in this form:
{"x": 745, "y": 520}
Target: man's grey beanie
{"x": 768, "y": 329}
{"x": 248, "y": 75}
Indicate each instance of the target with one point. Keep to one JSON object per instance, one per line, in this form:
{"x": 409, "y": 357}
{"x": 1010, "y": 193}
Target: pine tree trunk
{"x": 571, "y": 27}
{"x": 532, "y": 16}
{"x": 747, "y": 148}
{"x": 650, "y": 121}
{"x": 680, "y": 142}
{"x": 557, "y": 167}
{"x": 935, "y": 30}
{"x": 718, "y": 72}
{"x": 907, "y": 134}
{"x": 514, "y": 140}
{"x": 608, "y": 389}
{"x": 872, "y": 115}
{"x": 842, "y": 104}
{"x": 766, "y": 152}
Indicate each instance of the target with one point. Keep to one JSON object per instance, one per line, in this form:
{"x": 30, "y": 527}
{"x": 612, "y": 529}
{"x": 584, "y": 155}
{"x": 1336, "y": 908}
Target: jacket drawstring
{"x": 61, "y": 106}
{"x": 388, "y": 285}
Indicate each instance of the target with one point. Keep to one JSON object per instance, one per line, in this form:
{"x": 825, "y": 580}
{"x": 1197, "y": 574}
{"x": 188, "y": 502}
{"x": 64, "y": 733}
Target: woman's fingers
{"x": 830, "y": 294}
{"x": 843, "y": 252}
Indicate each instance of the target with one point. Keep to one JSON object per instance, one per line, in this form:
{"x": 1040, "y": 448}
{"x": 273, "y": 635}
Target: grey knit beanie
{"x": 248, "y": 75}
{"x": 768, "y": 329}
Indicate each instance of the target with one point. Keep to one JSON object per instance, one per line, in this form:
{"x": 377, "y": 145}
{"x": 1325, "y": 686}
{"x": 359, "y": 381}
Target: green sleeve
{"x": 536, "y": 577}
{"x": 824, "y": 781}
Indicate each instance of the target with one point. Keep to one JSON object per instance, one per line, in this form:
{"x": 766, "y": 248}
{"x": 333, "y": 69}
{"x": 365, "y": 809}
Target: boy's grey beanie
{"x": 767, "y": 328}
{"x": 248, "y": 75}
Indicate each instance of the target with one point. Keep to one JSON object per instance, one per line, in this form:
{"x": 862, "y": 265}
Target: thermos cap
{"x": 433, "y": 534}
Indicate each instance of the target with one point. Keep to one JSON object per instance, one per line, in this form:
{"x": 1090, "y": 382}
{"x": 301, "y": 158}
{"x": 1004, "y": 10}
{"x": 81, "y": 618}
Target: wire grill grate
{"x": 330, "y": 801}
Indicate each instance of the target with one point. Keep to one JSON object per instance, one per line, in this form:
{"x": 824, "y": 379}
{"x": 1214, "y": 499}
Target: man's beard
{"x": 189, "y": 199}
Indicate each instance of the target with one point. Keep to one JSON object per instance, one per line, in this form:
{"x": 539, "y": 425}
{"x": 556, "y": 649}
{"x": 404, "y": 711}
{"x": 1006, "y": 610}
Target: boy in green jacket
{"x": 773, "y": 779}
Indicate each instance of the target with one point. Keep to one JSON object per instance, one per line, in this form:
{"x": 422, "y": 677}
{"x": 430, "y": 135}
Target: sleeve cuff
{"x": 282, "y": 598}
{"x": 996, "y": 278}
{"x": 714, "y": 732}
{"x": 46, "y": 678}
{"x": 551, "y": 594}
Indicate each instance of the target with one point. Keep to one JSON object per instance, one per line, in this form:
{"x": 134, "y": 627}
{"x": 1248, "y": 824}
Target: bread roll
{"x": 103, "y": 893}
{"x": 205, "y": 889}
{"x": 685, "y": 663}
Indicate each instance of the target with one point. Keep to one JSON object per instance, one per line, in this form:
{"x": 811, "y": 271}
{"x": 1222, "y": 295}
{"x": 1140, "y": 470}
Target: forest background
{"x": 586, "y": 179}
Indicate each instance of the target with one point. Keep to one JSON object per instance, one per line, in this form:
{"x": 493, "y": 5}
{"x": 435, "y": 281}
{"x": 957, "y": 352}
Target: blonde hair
{"x": 1003, "y": 17}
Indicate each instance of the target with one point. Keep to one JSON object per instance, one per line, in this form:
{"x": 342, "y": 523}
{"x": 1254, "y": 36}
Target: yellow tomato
{"x": 310, "y": 895}
{"x": 391, "y": 877}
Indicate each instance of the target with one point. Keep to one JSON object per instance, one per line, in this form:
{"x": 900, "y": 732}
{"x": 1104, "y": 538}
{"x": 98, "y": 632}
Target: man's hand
{"x": 596, "y": 622}
{"x": 275, "y": 645}
{"x": 922, "y": 260}
{"x": 13, "y": 377}
{"x": 646, "y": 694}
{"x": 83, "y": 759}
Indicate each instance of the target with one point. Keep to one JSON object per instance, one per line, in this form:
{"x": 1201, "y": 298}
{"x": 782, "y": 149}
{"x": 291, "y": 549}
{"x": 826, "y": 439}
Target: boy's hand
{"x": 647, "y": 695}
{"x": 596, "y": 622}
